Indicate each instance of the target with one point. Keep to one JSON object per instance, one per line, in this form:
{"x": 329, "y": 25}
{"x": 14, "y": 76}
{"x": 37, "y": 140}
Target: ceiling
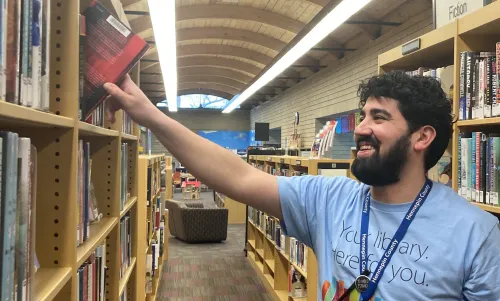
{"x": 223, "y": 46}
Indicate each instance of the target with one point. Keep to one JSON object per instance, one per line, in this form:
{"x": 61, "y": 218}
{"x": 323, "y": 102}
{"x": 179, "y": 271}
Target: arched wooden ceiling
{"x": 223, "y": 46}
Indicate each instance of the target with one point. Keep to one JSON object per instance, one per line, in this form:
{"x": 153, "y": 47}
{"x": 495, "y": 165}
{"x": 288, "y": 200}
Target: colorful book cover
{"x": 112, "y": 50}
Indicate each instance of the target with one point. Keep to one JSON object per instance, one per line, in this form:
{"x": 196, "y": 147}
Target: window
{"x": 198, "y": 101}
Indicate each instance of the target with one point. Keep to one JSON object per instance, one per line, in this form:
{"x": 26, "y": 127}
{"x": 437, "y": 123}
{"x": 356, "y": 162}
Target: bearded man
{"x": 394, "y": 235}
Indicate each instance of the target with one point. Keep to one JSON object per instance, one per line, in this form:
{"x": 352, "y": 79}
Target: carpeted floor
{"x": 210, "y": 271}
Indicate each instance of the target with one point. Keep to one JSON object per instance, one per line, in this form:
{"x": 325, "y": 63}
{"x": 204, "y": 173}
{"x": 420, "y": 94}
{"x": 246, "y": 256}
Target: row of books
{"x": 271, "y": 227}
{"x": 128, "y": 124}
{"x": 18, "y": 264}
{"x": 87, "y": 207}
{"x": 91, "y": 275}
{"x": 153, "y": 183}
{"x": 124, "y": 164}
{"x": 156, "y": 227}
{"x": 125, "y": 243}
{"x": 479, "y": 172}
{"x": 479, "y": 84}
{"x": 443, "y": 74}
{"x": 155, "y": 217}
{"x": 25, "y": 52}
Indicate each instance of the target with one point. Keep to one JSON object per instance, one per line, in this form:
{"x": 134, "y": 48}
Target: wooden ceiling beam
{"x": 196, "y": 70}
{"x": 205, "y": 91}
{"x": 201, "y": 78}
{"x": 219, "y": 62}
{"x": 227, "y": 33}
{"x": 212, "y": 86}
{"x": 225, "y": 11}
{"x": 238, "y": 12}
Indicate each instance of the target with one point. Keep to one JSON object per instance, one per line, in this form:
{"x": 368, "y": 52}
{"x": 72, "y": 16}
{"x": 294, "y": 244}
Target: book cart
{"x": 273, "y": 262}
{"x": 478, "y": 31}
{"x": 56, "y": 135}
{"x": 154, "y": 223}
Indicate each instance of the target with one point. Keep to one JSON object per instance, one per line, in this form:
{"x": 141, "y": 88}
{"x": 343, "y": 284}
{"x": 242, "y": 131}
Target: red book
{"x": 111, "y": 50}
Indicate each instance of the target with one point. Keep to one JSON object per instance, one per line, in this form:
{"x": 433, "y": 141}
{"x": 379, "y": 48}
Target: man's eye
{"x": 379, "y": 117}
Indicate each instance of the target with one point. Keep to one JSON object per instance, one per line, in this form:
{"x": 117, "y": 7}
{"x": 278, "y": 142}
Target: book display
{"x": 287, "y": 267}
{"x": 68, "y": 187}
{"x": 464, "y": 55}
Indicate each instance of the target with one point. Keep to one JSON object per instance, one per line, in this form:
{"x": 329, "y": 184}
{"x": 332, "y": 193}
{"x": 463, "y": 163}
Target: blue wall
{"x": 229, "y": 139}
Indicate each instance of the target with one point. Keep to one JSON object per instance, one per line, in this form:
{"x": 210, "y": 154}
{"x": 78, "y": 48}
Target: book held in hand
{"x": 111, "y": 51}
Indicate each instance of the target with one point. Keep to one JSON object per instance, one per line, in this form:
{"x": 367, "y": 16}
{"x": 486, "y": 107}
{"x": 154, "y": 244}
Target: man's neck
{"x": 404, "y": 191}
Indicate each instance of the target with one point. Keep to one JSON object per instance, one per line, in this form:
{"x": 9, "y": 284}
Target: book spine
{"x": 462, "y": 101}
{"x": 468, "y": 81}
{"x": 487, "y": 87}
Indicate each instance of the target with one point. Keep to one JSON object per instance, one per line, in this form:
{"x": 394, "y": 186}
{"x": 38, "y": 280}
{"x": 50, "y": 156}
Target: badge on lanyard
{"x": 361, "y": 283}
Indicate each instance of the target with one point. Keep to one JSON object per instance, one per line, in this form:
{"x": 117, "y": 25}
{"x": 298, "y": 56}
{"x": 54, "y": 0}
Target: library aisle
{"x": 216, "y": 271}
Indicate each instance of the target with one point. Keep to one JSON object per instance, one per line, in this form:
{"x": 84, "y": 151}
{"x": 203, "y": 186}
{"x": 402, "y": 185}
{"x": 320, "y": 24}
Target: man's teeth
{"x": 366, "y": 147}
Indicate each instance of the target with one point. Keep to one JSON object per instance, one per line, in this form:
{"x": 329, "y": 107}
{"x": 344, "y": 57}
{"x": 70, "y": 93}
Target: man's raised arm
{"x": 214, "y": 165}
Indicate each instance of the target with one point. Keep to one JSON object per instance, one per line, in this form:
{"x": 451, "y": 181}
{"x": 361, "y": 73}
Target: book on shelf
{"x": 124, "y": 189}
{"x": 18, "y": 168}
{"x": 478, "y": 171}
{"x": 87, "y": 205}
{"x": 479, "y": 83}
{"x": 125, "y": 244}
{"x": 91, "y": 275}
{"x": 111, "y": 51}
{"x": 25, "y": 37}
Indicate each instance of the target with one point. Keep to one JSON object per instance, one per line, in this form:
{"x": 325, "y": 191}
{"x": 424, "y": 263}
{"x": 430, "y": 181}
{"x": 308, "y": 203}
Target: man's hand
{"x": 131, "y": 99}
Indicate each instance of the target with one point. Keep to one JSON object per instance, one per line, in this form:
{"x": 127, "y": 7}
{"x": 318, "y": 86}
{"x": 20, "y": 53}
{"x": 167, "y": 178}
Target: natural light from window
{"x": 198, "y": 101}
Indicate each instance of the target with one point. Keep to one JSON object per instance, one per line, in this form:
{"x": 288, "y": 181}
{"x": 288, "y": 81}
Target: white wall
{"x": 334, "y": 89}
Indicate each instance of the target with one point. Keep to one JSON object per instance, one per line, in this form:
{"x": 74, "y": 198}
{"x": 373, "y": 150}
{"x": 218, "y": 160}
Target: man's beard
{"x": 378, "y": 170}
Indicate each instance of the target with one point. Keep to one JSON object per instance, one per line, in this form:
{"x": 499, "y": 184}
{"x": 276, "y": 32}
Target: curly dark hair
{"x": 421, "y": 101}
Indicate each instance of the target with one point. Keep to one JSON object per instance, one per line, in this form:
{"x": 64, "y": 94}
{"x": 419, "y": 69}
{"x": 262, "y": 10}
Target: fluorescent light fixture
{"x": 162, "y": 13}
{"x": 329, "y": 23}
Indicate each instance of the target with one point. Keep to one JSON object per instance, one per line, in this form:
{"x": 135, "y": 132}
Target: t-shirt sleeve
{"x": 483, "y": 282}
{"x": 304, "y": 203}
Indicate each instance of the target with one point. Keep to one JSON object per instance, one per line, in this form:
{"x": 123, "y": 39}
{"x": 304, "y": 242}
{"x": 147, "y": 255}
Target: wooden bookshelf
{"x": 477, "y": 31}
{"x": 271, "y": 263}
{"x": 55, "y": 134}
{"x": 160, "y": 190}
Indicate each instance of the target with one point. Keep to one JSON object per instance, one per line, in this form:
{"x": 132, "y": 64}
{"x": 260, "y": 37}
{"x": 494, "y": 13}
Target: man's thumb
{"x": 115, "y": 91}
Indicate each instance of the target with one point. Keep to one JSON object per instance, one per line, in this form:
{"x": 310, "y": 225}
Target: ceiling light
{"x": 329, "y": 23}
{"x": 162, "y": 15}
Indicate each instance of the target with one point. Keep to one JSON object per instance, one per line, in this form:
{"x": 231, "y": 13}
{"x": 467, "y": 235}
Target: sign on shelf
{"x": 446, "y": 11}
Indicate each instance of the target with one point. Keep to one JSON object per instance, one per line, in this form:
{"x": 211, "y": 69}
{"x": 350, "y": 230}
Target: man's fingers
{"x": 116, "y": 92}
{"x": 110, "y": 108}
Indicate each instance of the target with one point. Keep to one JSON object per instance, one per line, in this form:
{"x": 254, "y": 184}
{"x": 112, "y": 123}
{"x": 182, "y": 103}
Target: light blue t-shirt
{"x": 450, "y": 252}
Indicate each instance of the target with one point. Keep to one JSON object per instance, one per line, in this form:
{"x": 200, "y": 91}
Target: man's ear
{"x": 424, "y": 137}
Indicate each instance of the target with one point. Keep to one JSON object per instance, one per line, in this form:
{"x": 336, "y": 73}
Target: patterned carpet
{"x": 217, "y": 271}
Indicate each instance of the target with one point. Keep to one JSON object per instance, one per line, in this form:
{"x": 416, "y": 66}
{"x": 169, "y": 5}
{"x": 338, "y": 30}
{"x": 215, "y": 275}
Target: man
{"x": 412, "y": 239}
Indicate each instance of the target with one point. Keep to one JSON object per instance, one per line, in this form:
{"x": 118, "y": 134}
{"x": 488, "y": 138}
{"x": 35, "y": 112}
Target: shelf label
{"x": 410, "y": 46}
{"x": 298, "y": 162}
{"x": 446, "y": 11}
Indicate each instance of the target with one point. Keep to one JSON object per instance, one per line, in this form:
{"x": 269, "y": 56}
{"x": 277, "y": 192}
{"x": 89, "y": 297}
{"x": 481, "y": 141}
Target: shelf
{"x": 50, "y": 281}
{"x": 126, "y": 276}
{"x": 128, "y": 137}
{"x": 270, "y": 264}
{"x": 436, "y": 50}
{"x": 87, "y": 129}
{"x": 98, "y": 233}
{"x": 12, "y": 114}
{"x": 494, "y": 121}
{"x": 489, "y": 208}
{"x": 128, "y": 205}
{"x": 484, "y": 21}
{"x": 304, "y": 273}
{"x": 278, "y": 295}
